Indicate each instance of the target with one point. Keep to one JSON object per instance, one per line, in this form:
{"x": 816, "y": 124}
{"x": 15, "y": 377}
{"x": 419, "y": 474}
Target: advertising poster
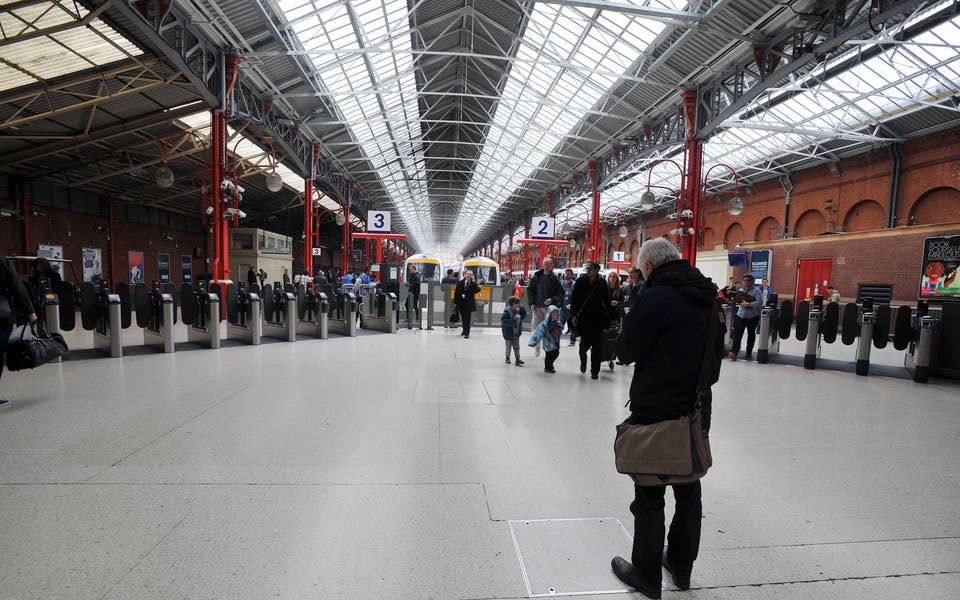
{"x": 941, "y": 261}
{"x": 92, "y": 265}
{"x": 186, "y": 268}
{"x": 52, "y": 251}
{"x": 163, "y": 267}
{"x": 760, "y": 264}
{"x": 135, "y": 260}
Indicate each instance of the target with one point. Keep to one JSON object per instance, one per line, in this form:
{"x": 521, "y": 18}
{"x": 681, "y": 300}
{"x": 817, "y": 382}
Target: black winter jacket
{"x": 11, "y": 287}
{"x": 555, "y": 294}
{"x": 590, "y": 304}
{"x": 664, "y": 334}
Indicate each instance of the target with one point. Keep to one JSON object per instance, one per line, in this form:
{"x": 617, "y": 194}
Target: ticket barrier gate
{"x": 102, "y": 312}
{"x": 814, "y": 319}
{"x": 244, "y": 314}
{"x": 930, "y": 352}
{"x": 156, "y": 314}
{"x": 729, "y": 312}
{"x": 768, "y": 340}
{"x": 380, "y": 311}
{"x": 200, "y": 310}
{"x": 342, "y": 318}
{"x": 312, "y": 307}
{"x": 279, "y": 313}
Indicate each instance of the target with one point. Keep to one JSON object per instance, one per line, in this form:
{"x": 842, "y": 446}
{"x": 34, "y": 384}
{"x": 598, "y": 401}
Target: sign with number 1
{"x": 378, "y": 221}
{"x": 542, "y": 228}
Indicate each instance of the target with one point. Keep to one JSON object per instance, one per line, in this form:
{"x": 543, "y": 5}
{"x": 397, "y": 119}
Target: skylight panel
{"x": 569, "y": 49}
{"x": 40, "y": 59}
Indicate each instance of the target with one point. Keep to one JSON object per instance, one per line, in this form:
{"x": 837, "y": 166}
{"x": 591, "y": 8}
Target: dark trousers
{"x": 683, "y": 541}
{"x": 466, "y": 317}
{"x": 4, "y": 338}
{"x": 551, "y": 357}
{"x": 739, "y": 325}
{"x": 591, "y": 339}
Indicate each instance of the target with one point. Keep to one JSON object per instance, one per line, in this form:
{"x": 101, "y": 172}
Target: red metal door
{"x": 813, "y": 276}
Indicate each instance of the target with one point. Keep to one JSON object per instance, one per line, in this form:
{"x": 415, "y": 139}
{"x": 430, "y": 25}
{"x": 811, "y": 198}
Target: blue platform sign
{"x": 760, "y": 264}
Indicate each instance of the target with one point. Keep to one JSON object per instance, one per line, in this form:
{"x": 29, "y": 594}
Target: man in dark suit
{"x": 465, "y": 299}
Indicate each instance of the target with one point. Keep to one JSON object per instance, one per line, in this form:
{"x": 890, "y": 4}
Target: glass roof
{"x": 566, "y": 53}
{"x": 363, "y": 45}
{"x": 846, "y": 110}
{"x": 39, "y": 59}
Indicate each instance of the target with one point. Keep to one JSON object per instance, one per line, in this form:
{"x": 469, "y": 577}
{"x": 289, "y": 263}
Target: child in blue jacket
{"x": 548, "y": 332}
{"x": 511, "y": 325}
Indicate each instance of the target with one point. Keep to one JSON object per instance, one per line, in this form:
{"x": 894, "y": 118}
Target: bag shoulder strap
{"x": 713, "y": 330}
{"x": 587, "y": 300}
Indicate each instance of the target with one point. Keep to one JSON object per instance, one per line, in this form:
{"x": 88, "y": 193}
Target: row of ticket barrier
{"x": 251, "y": 313}
{"x": 916, "y": 330}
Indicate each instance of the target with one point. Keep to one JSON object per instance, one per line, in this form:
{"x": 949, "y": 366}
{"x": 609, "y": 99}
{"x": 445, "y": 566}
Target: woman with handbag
{"x": 14, "y": 301}
{"x": 465, "y": 298}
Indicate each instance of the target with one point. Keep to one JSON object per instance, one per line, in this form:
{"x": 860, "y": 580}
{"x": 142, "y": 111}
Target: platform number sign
{"x": 542, "y": 228}
{"x": 378, "y": 221}
{"x": 618, "y": 256}
{"x": 316, "y": 251}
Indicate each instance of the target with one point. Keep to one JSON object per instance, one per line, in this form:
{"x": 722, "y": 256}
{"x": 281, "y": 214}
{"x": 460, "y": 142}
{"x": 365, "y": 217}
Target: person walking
{"x": 616, "y": 297}
{"x": 666, "y": 334}
{"x": 286, "y": 277}
{"x": 251, "y": 277}
{"x": 544, "y": 290}
{"x": 548, "y": 332}
{"x": 465, "y": 298}
{"x": 749, "y": 300}
{"x": 565, "y": 314}
{"x": 590, "y": 305}
{"x": 413, "y": 281}
{"x": 15, "y": 307}
{"x": 511, "y": 326}
{"x": 449, "y": 278}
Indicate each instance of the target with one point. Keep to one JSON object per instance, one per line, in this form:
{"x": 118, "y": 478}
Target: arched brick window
{"x": 768, "y": 229}
{"x": 634, "y": 250}
{"x": 810, "y": 223}
{"x": 733, "y": 236}
{"x": 865, "y": 215}
{"x": 940, "y": 205}
{"x": 708, "y": 239}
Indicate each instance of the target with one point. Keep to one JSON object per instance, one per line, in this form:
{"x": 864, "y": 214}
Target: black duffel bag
{"x": 30, "y": 352}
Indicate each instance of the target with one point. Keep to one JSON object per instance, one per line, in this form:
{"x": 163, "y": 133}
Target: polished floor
{"x": 419, "y": 465}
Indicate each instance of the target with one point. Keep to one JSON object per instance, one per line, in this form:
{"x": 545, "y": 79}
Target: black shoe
{"x": 749, "y": 356}
{"x": 624, "y": 572}
{"x": 549, "y": 370}
{"x": 466, "y": 337}
{"x": 4, "y": 403}
{"x": 594, "y": 375}
{"x": 583, "y": 365}
{"x": 681, "y": 580}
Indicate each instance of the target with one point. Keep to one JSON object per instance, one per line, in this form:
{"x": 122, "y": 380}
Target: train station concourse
{"x": 270, "y": 271}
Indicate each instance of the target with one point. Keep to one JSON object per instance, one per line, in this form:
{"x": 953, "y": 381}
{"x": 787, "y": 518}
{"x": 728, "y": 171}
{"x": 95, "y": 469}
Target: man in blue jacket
{"x": 543, "y": 291}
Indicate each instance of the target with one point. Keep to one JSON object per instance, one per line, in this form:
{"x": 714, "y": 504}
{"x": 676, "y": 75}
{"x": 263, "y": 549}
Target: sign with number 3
{"x": 378, "y": 221}
{"x": 542, "y": 228}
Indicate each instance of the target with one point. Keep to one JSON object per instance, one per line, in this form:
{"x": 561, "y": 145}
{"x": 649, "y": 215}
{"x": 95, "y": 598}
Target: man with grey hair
{"x": 665, "y": 334}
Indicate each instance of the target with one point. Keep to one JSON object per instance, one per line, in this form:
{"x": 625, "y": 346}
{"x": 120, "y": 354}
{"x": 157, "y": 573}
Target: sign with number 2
{"x": 542, "y": 228}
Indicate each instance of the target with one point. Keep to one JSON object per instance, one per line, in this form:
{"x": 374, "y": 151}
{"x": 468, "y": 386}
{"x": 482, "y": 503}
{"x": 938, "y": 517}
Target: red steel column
{"x": 217, "y": 171}
{"x": 346, "y": 230}
{"x": 595, "y": 217}
{"x": 693, "y": 159}
{"x": 308, "y": 226}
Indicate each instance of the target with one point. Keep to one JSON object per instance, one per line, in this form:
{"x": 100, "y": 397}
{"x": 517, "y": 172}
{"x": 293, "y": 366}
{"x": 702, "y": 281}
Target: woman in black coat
{"x": 465, "y": 299}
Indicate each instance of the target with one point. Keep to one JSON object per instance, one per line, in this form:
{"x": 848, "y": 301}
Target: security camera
{"x": 225, "y": 185}
{"x": 231, "y": 212}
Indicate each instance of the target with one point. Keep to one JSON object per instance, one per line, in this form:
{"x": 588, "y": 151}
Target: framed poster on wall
{"x": 52, "y": 251}
{"x": 135, "y": 263}
{"x": 92, "y": 265}
{"x": 163, "y": 267}
{"x": 186, "y": 268}
{"x": 939, "y": 278}
{"x": 760, "y": 261}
